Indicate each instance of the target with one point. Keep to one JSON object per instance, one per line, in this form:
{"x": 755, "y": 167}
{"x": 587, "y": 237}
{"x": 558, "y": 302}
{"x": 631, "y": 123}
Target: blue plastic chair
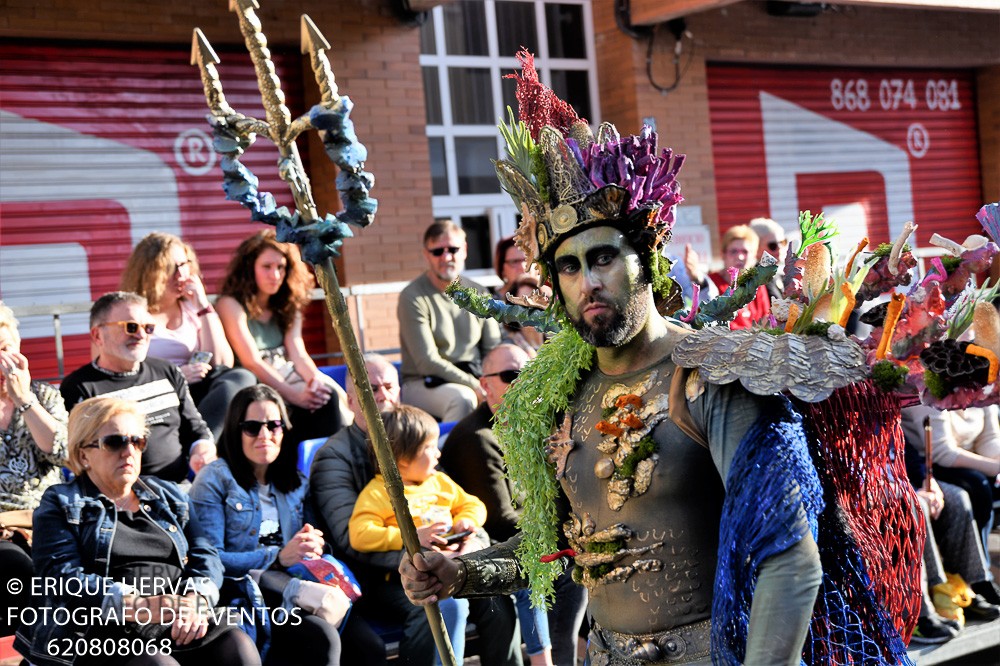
{"x": 307, "y": 451}
{"x": 338, "y": 373}
{"x": 444, "y": 429}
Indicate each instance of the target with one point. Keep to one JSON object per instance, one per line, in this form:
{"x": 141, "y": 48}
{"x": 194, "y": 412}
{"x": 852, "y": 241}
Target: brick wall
{"x": 743, "y": 32}
{"x": 375, "y": 60}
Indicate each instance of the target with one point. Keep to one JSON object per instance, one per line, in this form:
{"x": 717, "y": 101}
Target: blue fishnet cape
{"x": 773, "y": 494}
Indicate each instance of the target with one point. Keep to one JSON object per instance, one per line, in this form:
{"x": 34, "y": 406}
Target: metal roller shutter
{"x": 101, "y": 146}
{"x": 871, "y": 147}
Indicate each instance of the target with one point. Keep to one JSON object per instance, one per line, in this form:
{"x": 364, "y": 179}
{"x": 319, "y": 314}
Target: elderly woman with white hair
{"x": 32, "y": 450}
{"x": 32, "y": 425}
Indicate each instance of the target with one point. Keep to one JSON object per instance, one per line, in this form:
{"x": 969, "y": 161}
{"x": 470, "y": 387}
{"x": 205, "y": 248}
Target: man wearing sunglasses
{"x": 120, "y": 329}
{"x": 441, "y": 345}
{"x": 472, "y": 457}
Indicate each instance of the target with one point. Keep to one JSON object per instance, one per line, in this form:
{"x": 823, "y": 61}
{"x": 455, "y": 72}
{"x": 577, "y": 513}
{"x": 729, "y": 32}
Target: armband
{"x": 491, "y": 572}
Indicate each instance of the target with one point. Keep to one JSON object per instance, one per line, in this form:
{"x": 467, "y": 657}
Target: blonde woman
{"x": 164, "y": 269}
{"x": 115, "y": 542}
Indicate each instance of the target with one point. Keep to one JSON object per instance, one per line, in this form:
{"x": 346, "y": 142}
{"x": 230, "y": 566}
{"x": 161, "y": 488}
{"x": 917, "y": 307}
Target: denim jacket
{"x": 231, "y": 517}
{"x": 74, "y": 527}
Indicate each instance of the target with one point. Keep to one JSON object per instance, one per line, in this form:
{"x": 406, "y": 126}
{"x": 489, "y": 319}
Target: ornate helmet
{"x": 564, "y": 181}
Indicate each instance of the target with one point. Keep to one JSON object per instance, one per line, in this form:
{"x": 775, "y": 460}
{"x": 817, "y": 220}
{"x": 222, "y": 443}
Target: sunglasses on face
{"x": 506, "y": 376}
{"x": 252, "y": 428}
{"x": 118, "y": 443}
{"x": 438, "y": 251}
{"x": 132, "y": 327}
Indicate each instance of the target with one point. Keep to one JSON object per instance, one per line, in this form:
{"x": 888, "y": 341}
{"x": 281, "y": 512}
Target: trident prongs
{"x": 315, "y": 45}
{"x": 203, "y": 55}
{"x": 319, "y": 238}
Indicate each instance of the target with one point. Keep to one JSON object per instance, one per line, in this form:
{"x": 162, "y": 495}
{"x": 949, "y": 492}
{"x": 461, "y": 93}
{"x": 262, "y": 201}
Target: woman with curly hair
{"x": 262, "y": 298}
{"x": 164, "y": 269}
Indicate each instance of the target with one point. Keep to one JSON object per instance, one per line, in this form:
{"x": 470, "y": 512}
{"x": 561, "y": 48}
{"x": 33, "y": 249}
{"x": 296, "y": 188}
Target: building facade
{"x": 872, "y": 112}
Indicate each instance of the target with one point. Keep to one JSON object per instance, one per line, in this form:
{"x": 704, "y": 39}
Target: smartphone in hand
{"x": 201, "y": 357}
{"x": 451, "y": 538}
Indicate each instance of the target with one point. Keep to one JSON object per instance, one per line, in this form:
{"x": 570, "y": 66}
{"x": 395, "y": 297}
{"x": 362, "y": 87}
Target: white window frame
{"x": 496, "y": 206}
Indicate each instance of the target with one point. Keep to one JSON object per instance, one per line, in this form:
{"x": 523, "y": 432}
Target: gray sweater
{"x": 435, "y": 334}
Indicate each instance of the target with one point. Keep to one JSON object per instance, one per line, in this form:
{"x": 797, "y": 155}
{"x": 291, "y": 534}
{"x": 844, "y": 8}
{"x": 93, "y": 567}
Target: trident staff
{"x": 319, "y": 237}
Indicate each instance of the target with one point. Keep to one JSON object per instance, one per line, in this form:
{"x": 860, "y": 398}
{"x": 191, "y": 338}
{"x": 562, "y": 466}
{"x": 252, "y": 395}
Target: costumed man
{"x": 643, "y": 499}
{"x": 691, "y": 509}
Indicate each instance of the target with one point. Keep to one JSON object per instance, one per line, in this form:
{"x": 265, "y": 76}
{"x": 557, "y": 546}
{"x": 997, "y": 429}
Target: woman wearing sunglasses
{"x": 250, "y": 503}
{"x": 263, "y": 295}
{"x": 188, "y": 332}
{"x": 122, "y": 559}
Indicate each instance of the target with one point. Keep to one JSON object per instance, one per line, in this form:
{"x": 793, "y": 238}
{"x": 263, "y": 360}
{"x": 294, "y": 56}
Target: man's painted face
{"x": 600, "y": 277}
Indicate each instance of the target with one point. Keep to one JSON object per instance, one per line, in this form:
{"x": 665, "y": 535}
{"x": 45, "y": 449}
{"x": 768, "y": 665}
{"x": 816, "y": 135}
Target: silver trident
{"x": 319, "y": 237}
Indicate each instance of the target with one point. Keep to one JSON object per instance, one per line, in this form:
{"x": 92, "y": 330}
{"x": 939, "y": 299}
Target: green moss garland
{"x": 523, "y": 421}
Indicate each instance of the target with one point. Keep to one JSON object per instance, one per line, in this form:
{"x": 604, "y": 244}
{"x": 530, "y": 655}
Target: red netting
{"x": 861, "y": 459}
{"x": 538, "y": 105}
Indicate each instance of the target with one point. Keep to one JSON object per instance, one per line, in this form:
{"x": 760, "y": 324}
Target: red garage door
{"x": 102, "y": 146}
{"x": 873, "y": 148}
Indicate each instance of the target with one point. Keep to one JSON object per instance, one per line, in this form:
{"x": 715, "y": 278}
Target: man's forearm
{"x": 782, "y": 604}
{"x": 491, "y": 572}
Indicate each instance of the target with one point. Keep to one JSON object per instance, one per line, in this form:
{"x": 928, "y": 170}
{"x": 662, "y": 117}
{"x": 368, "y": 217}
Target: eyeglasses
{"x": 438, "y": 251}
{"x": 506, "y": 376}
{"x": 118, "y": 443}
{"x": 774, "y": 245}
{"x": 252, "y": 428}
{"x": 132, "y": 327}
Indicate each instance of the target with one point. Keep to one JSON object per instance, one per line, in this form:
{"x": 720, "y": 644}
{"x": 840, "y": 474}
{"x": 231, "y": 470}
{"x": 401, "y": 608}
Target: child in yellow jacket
{"x": 438, "y": 504}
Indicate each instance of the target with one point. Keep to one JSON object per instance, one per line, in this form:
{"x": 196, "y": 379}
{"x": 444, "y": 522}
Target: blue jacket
{"x": 73, "y": 530}
{"x": 231, "y": 517}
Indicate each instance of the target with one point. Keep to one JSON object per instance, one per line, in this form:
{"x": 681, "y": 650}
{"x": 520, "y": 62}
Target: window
{"x": 466, "y": 48}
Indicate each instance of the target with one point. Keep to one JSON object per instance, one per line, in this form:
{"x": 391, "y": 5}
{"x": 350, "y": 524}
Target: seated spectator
{"x": 952, "y": 544}
{"x": 114, "y": 542}
{"x": 472, "y": 457}
{"x": 441, "y": 344}
{"x": 340, "y": 471}
{"x": 771, "y": 239}
{"x": 438, "y": 505}
{"x": 262, "y": 299}
{"x": 250, "y": 504}
{"x": 528, "y": 338}
{"x": 965, "y": 447}
{"x": 33, "y": 423}
{"x": 739, "y": 251}
{"x": 510, "y": 263}
{"x": 32, "y": 451}
{"x": 120, "y": 329}
{"x": 164, "y": 270}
